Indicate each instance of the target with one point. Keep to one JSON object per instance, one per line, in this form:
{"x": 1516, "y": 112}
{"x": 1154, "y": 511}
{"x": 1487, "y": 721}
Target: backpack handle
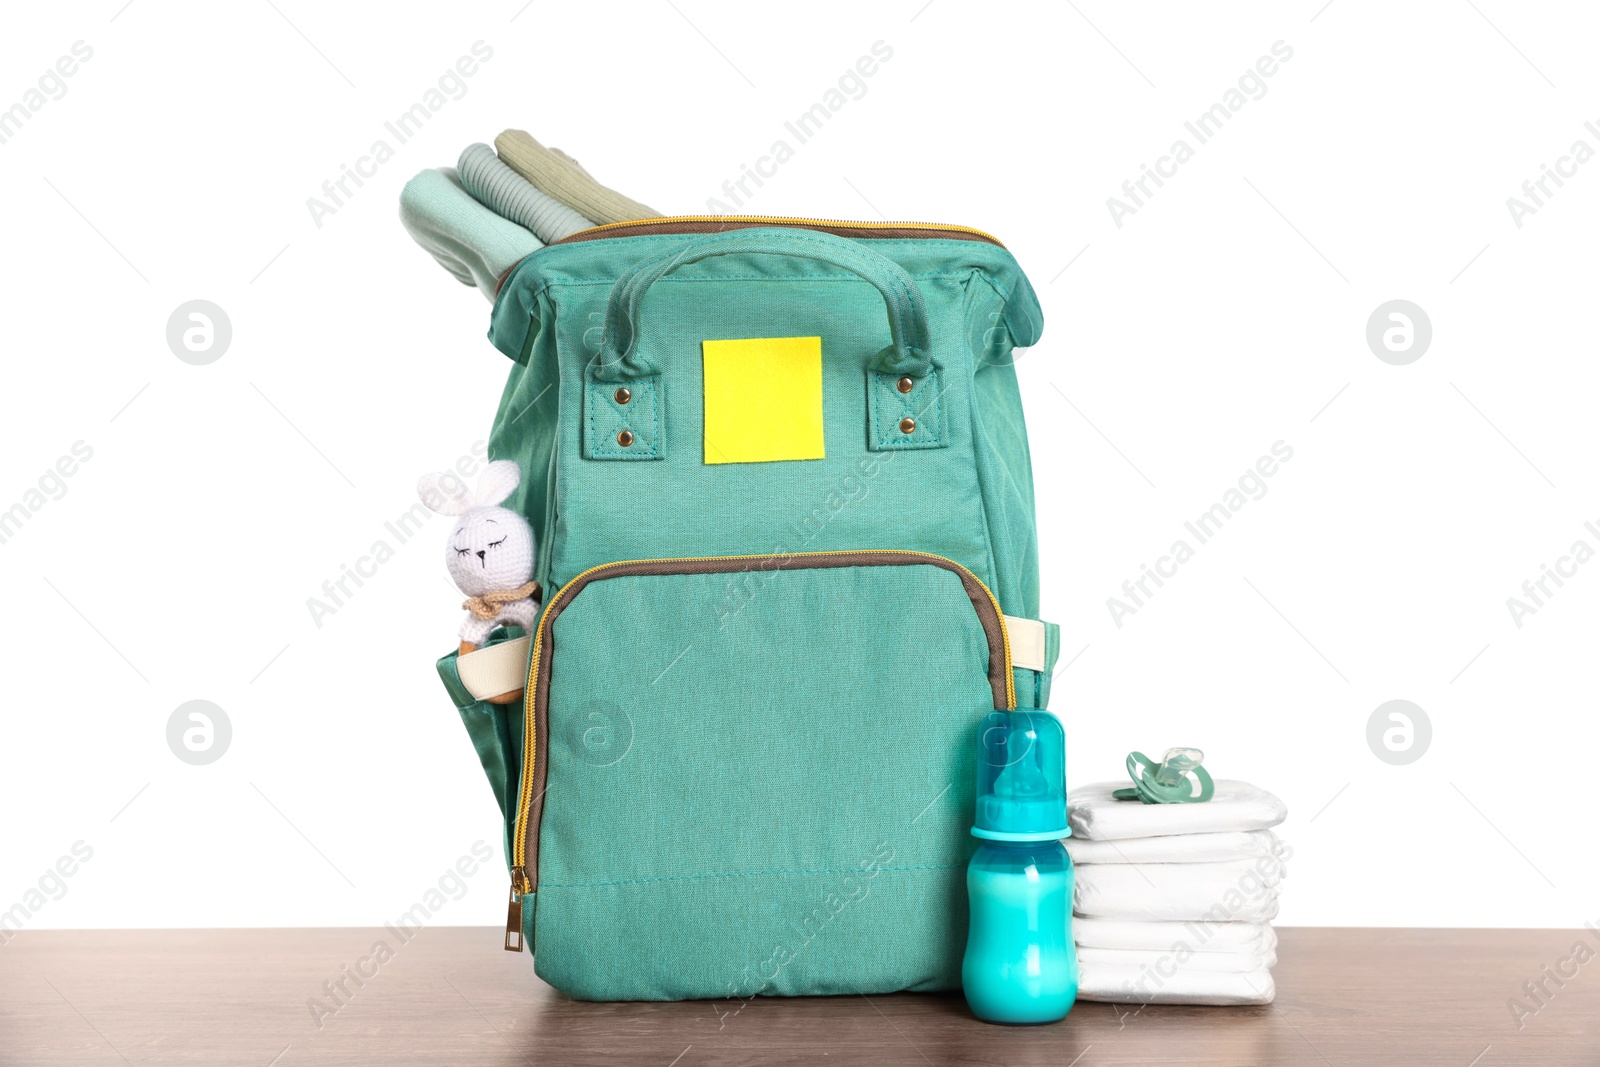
{"x": 619, "y": 358}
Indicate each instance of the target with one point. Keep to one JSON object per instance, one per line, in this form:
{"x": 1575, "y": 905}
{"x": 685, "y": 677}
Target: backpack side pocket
{"x": 496, "y": 731}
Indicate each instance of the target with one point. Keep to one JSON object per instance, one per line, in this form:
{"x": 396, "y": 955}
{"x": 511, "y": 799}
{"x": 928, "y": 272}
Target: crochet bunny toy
{"x": 490, "y": 552}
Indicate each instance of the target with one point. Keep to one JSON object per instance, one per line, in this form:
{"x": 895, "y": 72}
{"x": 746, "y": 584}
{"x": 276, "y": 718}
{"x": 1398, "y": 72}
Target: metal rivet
{"x": 905, "y": 385}
{"x": 625, "y": 438}
{"x": 623, "y": 396}
{"x": 908, "y": 425}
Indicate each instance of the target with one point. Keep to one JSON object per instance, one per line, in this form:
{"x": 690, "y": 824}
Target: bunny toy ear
{"x": 445, "y": 493}
{"x": 499, "y": 480}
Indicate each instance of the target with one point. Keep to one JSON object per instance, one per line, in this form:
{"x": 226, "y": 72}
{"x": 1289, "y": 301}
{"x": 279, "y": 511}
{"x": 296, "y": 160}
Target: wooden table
{"x": 1412, "y": 998}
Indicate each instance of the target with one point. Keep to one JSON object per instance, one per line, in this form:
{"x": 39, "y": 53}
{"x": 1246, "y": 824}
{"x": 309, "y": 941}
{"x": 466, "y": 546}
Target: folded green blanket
{"x": 557, "y": 176}
{"x": 466, "y": 238}
{"x": 509, "y": 194}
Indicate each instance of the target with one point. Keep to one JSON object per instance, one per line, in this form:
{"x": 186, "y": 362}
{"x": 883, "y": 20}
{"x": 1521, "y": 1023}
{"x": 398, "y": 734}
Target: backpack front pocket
{"x": 753, "y": 774}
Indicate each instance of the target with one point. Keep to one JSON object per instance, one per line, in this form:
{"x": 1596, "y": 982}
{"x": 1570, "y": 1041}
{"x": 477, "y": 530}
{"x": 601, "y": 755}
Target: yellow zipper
{"x": 786, "y": 220}
{"x": 519, "y": 846}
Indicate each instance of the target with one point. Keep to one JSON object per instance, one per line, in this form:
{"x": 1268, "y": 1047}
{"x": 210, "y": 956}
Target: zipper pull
{"x": 513, "y": 941}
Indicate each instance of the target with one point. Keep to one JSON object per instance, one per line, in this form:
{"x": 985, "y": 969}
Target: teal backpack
{"x": 779, "y": 477}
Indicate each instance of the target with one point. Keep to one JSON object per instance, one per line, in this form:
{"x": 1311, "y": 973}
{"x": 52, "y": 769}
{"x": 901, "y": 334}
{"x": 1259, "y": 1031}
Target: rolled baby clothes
{"x": 470, "y": 241}
{"x": 1241, "y": 891}
{"x": 554, "y": 151}
{"x": 511, "y": 196}
{"x": 1249, "y": 939}
{"x": 558, "y": 176}
{"x": 1095, "y": 814}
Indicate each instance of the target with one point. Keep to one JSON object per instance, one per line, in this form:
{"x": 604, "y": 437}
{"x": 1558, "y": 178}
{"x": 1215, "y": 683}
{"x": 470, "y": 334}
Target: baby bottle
{"x": 1020, "y": 965}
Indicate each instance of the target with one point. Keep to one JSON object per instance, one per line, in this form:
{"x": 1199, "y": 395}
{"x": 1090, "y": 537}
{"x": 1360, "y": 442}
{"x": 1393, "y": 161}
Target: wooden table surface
{"x": 1413, "y": 998}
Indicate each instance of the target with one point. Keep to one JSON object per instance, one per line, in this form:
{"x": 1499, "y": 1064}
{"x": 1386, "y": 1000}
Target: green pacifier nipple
{"x": 1177, "y": 779}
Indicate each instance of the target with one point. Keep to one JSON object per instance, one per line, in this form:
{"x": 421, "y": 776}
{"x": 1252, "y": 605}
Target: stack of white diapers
{"x": 1172, "y": 902}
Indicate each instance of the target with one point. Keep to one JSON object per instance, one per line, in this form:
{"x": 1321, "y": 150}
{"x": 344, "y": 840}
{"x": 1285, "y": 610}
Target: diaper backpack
{"x": 779, "y": 478}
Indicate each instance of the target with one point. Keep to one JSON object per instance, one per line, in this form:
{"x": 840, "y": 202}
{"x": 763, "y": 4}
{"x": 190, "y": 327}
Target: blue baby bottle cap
{"x": 1022, "y": 779}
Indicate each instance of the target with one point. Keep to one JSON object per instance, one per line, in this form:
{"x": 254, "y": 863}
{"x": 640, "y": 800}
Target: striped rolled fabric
{"x": 560, "y": 177}
{"x": 509, "y": 194}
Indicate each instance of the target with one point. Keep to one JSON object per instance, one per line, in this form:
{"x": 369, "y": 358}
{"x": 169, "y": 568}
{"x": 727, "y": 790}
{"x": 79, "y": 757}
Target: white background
{"x": 1227, "y": 314}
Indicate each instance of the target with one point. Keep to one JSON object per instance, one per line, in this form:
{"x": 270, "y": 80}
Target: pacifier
{"x": 1177, "y": 779}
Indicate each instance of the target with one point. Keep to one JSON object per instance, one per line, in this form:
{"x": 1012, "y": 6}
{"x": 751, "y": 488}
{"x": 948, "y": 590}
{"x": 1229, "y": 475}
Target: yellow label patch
{"x": 763, "y": 399}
